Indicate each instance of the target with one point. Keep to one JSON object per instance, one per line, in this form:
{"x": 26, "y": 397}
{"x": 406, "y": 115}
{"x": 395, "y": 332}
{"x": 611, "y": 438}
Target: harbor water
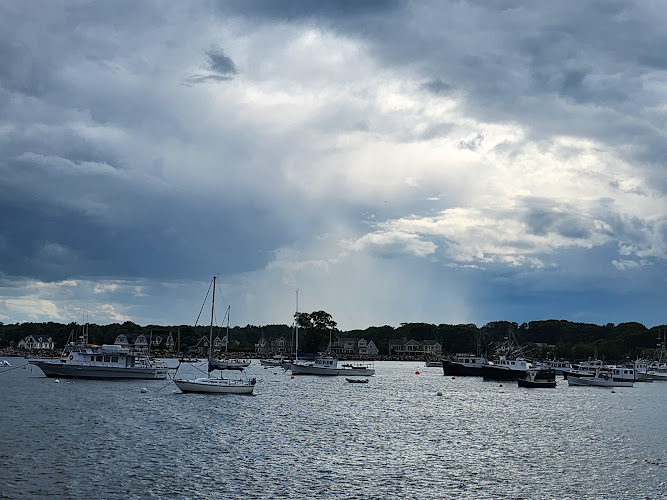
{"x": 402, "y": 435}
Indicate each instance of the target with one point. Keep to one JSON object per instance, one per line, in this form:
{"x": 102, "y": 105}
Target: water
{"x": 312, "y": 437}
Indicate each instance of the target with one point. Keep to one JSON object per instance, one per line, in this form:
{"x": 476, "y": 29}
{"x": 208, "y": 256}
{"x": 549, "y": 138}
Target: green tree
{"x": 316, "y": 328}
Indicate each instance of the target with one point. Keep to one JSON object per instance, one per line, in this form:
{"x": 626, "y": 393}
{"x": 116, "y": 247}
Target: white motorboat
{"x": 609, "y": 377}
{"x": 211, "y": 384}
{"x": 559, "y": 366}
{"x": 229, "y": 364}
{"x": 90, "y": 361}
{"x": 275, "y": 361}
{"x": 328, "y": 365}
{"x": 584, "y": 369}
{"x": 6, "y": 363}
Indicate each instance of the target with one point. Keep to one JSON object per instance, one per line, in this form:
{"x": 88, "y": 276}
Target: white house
{"x": 121, "y": 340}
{"x": 367, "y": 348}
{"x": 220, "y": 343}
{"x": 359, "y": 347}
{"x": 280, "y": 346}
{"x": 140, "y": 342}
{"x": 170, "y": 342}
{"x": 263, "y": 346}
{"x": 30, "y": 342}
{"x": 404, "y": 347}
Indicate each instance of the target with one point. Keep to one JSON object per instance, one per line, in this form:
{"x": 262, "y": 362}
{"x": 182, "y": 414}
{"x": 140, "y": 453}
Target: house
{"x": 122, "y": 341}
{"x": 365, "y": 348}
{"x": 30, "y": 342}
{"x": 281, "y": 346}
{"x": 220, "y": 344}
{"x": 169, "y": 343}
{"x": 263, "y": 346}
{"x": 415, "y": 348}
{"x": 140, "y": 343}
{"x": 200, "y": 347}
{"x": 353, "y": 346}
{"x": 269, "y": 347}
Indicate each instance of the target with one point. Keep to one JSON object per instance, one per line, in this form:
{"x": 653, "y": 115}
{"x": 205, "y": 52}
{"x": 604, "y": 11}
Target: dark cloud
{"x": 291, "y": 10}
{"x": 544, "y": 216}
{"x": 473, "y": 144}
{"x": 208, "y": 78}
{"x": 219, "y": 62}
{"x": 437, "y": 87}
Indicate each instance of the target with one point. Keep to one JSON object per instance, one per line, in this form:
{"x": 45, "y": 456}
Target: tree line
{"x": 543, "y": 339}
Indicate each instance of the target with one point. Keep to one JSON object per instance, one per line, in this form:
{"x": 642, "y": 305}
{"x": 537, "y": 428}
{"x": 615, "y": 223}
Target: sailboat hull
{"x": 214, "y": 386}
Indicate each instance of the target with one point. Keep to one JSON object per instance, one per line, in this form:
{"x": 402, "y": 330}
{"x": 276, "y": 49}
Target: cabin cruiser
{"x": 328, "y": 365}
{"x": 106, "y": 361}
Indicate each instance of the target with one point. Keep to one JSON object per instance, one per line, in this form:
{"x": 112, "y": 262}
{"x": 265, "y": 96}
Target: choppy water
{"x": 312, "y": 437}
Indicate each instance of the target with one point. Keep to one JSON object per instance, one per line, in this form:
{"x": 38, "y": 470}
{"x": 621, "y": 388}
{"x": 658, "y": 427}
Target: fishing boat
{"x": 538, "y": 379}
{"x": 584, "y": 369}
{"x": 464, "y": 365}
{"x": 610, "y": 377}
{"x": 559, "y": 365}
{"x": 467, "y": 364}
{"x": 90, "y": 361}
{"x": 505, "y": 369}
{"x": 211, "y": 384}
{"x": 508, "y": 363}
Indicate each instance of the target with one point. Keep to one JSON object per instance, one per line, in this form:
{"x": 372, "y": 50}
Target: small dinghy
{"x": 357, "y": 380}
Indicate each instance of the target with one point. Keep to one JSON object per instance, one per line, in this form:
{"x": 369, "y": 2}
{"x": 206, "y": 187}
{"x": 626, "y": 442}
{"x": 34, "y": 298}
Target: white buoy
{"x": 143, "y": 390}
{"x": 57, "y": 381}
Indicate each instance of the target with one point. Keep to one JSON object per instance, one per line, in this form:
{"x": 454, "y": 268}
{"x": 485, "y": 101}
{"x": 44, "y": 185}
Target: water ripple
{"x": 322, "y": 437}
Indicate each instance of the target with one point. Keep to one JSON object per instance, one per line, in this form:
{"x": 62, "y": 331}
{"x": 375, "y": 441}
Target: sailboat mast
{"x": 210, "y": 333}
{"x": 296, "y": 328}
{"x": 229, "y": 311}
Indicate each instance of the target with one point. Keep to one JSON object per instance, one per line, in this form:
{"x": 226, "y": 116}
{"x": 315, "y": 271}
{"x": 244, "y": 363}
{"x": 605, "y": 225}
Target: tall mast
{"x": 210, "y": 334}
{"x": 229, "y": 311}
{"x": 296, "y": 328}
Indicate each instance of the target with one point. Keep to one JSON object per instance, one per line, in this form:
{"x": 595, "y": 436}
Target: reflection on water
{"x": 323, "y": 437}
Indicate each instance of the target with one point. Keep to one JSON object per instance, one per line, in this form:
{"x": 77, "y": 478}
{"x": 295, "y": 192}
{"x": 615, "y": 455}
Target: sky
{"x": 445, "y": 162}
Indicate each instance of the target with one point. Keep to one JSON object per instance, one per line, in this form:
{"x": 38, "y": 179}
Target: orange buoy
{"x": 453, "y": 377}
{"x": 417, "y": 372}
{"x": 292, "y": 376}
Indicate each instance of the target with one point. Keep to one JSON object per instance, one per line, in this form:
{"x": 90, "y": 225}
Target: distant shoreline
{"x": 56, "y": 353}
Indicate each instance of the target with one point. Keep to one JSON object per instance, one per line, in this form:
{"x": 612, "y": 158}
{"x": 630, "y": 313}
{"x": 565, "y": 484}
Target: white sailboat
{"x": 225, "y": 363}
{"x": 215, "y": 385}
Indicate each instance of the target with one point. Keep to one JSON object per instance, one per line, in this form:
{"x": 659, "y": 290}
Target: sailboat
{"x": 287, "y": 363}
{"x": 215, "y": 385}
{"x": 225, "y": 363}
